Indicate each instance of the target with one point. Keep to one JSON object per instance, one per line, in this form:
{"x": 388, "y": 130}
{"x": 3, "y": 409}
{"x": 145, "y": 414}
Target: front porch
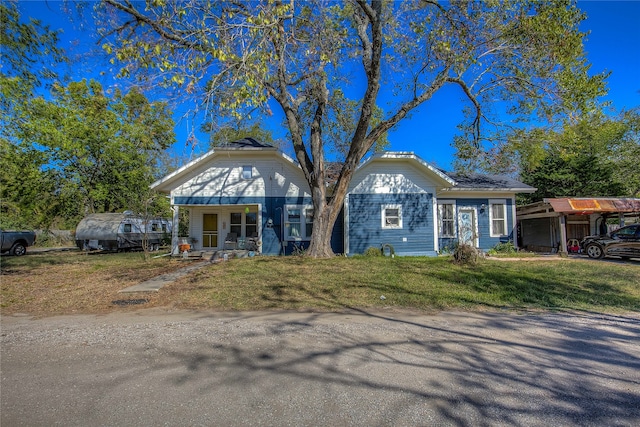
{"x": 216, "y": 228}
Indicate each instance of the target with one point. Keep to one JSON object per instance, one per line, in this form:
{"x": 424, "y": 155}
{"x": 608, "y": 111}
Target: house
{"x": 399, "y": 199}
{"x": 249, "y": 189}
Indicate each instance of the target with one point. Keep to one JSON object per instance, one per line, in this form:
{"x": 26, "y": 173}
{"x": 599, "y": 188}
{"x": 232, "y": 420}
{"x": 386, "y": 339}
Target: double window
{"x": 498, "y": 217}
{"x": 447, "y": 215}
{"x": 391, "y": 216}
{"x": 299, "y": 222}
{"x": 244, "y": 224}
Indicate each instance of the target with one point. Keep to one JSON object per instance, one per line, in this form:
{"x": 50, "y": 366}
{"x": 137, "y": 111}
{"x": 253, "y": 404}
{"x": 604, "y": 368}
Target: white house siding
{"x": 389, "y": 177}
{"x": 271, "y": 177}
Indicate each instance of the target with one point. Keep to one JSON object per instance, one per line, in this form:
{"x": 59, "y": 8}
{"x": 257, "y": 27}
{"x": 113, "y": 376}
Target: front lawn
{"x": 75, "y": 283}
{"x": 415, "y": 283}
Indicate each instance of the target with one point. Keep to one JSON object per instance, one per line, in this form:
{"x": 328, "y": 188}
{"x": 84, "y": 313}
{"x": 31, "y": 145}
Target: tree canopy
{"x": 330, "y": 66}
{"x": 77, "y": 148}
{"x": 30, "y": 54}
{"x": 595, "y": 156}
{"x": 87, "y": 152}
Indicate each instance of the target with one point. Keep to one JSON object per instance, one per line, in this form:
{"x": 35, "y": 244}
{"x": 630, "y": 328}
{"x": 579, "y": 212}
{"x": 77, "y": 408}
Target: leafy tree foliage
{"x": 100, "y": 152}
{"x": 29, "y": 50}
{"x": 328, "y": 65}
{"x": 29, "y": 58}
{"x": 596, "y": 156}
{"x": 226, "y": 134}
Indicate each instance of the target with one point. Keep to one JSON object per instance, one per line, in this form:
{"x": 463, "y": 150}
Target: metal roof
{"x": 583, "y": 206}
{"x": 244, "y": 144}
{"x": 475, "y": 181}
{"x": 103, "y": 226}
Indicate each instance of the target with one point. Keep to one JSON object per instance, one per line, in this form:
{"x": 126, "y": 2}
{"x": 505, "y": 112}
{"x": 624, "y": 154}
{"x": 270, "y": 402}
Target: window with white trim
{"x": 391, "y": 216}
{"x": 298, "y": 222}
{"x": 244, "y": 224}
{"x": 447, "y": 214}
{"x": 498, "y": 217}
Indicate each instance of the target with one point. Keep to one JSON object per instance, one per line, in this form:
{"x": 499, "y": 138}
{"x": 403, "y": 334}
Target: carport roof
{"x": 585, "y": 206}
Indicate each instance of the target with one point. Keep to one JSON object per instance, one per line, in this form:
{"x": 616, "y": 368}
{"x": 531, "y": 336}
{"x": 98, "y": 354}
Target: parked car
{"x": 624, "y": 242}
{"x": 16, "y": 242}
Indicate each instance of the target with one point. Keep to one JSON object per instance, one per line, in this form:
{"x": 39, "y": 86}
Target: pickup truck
{"x": 16, "y": 242}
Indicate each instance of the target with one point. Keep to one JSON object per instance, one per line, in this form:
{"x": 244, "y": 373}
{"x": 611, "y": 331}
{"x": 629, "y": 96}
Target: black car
{"x": 624, "y": 242}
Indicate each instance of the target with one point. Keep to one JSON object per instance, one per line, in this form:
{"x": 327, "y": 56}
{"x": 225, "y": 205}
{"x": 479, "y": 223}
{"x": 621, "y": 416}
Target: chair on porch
{"x": 252, "y": 242}
{"x": 231, "y": 241}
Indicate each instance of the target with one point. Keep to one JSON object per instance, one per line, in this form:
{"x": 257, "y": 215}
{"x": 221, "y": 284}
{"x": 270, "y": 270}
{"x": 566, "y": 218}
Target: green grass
{"x": 415, "y": 283}
{"x": 64, "y": 283}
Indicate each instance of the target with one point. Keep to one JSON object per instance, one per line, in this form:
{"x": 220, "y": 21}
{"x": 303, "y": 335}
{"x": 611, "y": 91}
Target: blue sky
{"x": 612, "y": 45}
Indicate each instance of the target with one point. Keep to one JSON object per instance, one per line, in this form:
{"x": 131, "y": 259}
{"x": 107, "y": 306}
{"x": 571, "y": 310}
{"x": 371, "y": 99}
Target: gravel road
{"x": 155, "y": 367}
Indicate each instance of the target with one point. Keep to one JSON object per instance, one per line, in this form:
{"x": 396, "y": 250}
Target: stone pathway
{"x": 153, "y": 285}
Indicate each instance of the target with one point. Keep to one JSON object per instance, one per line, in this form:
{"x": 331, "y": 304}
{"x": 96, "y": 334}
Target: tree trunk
{"x": 320, "y": 245}
{"x": 325, "y": 216}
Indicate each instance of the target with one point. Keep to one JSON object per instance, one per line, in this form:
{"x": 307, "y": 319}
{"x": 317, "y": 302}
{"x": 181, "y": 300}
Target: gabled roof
{"x": 440, "y": 176}
{"x": 246, "y": 144}
{"x": 478, "y": 182}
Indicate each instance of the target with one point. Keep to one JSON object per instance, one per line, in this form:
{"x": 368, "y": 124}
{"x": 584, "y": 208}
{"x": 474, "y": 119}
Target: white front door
{"x": 467, "y": 227}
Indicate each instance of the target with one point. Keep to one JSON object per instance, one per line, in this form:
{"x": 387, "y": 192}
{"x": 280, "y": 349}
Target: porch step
{"x": 218, "y": 255}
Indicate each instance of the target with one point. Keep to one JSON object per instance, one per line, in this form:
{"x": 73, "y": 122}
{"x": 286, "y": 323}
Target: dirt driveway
{"x": 377, "y": 369}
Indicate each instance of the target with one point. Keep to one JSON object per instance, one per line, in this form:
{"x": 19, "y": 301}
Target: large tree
{"x": 327, "y": 65}
{"x": 103, "y": 150}
{"x": 594, "y": 156}
{"x": 30, "y": 59}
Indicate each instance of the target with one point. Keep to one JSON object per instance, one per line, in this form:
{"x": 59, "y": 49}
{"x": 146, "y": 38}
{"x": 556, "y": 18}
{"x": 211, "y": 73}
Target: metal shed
{"x": 547, "y": 226}
{"x": 121, "y": 231}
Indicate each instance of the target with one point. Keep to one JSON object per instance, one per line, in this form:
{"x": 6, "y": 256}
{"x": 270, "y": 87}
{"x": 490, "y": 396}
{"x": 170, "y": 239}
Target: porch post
{"x": 174, "y": 230}
{"x": 514, "y": 228}
{"x": 563, "y": 235}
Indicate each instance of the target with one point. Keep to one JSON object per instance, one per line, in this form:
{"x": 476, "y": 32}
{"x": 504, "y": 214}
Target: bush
{"x": 503, "y": 248}
{"x": 465, "y": 255}
{"x": 372, "y": 251}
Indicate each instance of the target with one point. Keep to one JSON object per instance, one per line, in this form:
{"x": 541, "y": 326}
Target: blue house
{"x": 250, "y": 190}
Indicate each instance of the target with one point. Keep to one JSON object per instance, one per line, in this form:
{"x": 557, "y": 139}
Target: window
{"x": 251, "y": 224}
{"x": 127, "y": 228}
{"x": 308, "y": 220}
{"x": 447, "y": 220}
{"x": 299, "y": 222}
{"x": 244, "y": 224}
{"x": 391, "y": 216}
{"x": 498, "y": 217}
{"x": 235, "y": 225}
{"x": 247, "y": 171}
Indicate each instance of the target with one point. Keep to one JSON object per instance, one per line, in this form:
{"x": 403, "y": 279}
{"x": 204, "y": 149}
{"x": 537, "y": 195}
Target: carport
{"x": 547, "y": 226}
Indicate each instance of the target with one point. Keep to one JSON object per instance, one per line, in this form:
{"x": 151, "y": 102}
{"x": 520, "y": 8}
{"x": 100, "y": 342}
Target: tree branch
{"x": 474, "y": 101}
{"x": 161, "y": 31}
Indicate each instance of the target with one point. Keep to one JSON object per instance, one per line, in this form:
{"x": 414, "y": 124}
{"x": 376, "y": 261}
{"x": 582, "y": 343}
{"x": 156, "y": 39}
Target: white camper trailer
{"x": 122, "y": 231}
